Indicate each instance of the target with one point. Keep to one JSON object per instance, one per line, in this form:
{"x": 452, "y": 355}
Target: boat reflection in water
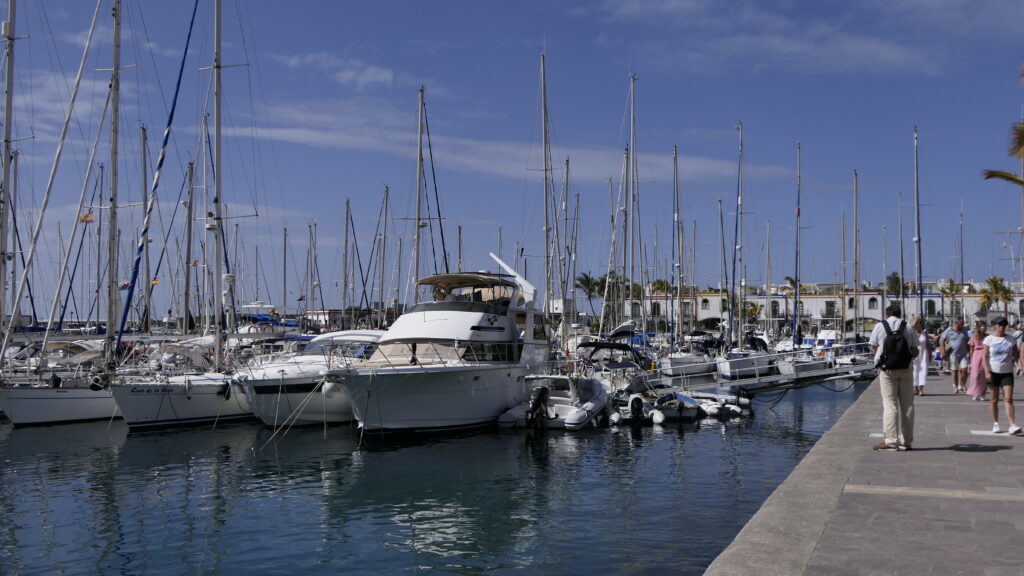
{"x": 244, "y": 498}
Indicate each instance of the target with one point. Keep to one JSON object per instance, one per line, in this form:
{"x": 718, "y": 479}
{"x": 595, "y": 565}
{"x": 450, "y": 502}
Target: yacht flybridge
{"x": 457, "y": 361}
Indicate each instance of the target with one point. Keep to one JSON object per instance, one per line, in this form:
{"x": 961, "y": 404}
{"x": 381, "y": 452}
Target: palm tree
{"x": 894, "y": 285}
{"x": 754, "y": 311}
{"x": 591, "y": 288}
{"x": 948, "y": 289}
{"x": 790, "y": 284}
{"x": 994, "y": 292}
{"x": 1017, "y": 151}
{"x": 661, "y": 286}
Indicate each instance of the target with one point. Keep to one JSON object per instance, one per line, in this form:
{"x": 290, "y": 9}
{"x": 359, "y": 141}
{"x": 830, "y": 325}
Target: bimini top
{"x": 449, "y": 282}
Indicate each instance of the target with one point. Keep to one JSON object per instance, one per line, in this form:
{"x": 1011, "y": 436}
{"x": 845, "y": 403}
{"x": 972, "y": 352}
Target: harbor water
{"x": 240, "y": 499}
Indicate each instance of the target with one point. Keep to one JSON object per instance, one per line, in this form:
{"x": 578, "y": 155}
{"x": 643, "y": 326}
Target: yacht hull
{"x": 181, "y": 401}
{"x": 432, "y": 397}
{"x": 28, "y": 406}
{"x": 299, "y": 401}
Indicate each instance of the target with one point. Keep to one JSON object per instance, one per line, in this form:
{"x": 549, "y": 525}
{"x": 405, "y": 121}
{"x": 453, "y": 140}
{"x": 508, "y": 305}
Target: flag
{"x": 301, "y": 298}
{"x": 195, "y": 263}
{"x": 86, "y": 218}
{"x": 154, "y": 282}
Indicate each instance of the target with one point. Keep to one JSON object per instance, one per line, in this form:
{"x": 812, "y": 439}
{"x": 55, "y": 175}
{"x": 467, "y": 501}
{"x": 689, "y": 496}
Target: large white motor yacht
{"x": 455, "y": 362}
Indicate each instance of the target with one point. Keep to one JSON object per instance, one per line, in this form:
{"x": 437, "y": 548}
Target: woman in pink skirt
{"x": 977, "y": 384}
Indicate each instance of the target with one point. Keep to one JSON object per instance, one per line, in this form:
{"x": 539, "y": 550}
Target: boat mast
{"x": 902, "y": 277}
{"x": 344, "y": 261}
{"x": 115, "y": 102}
{"x": 5, "y": 196}
{"x": 217, "y": 188}
{"x": 962, "y": 313}
{"x": 737, "y": 253}
{"x": 148, "y": 286}
{"x": 917, "y": 231}
{"x": 856, "y": 255}
{"x": 186, "y": 313}
{"x": 796, "y": 269}
{"x": 768, "y": 280}
{"x": 546, "y": 152}
{"x": 677, "y": 246}
{"x": 417, "y": 223}
{"x": 383, "y": 257}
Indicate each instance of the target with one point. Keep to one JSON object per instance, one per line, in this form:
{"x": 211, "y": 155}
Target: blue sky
{"x": 326, "y": 110}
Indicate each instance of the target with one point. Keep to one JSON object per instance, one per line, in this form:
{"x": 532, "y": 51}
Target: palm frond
{"x": 1003, "y": 175}
{"x": 1017, "y": 140}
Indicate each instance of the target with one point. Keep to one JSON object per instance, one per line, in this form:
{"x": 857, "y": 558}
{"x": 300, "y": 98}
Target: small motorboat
{"x": 568, "y": 402}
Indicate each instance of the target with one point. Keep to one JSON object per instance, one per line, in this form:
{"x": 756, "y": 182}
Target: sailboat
{"x": 681, "y": 362}
{"x": 749, "y": 359}
{"x": 196, "y": 398}
{"x": 72, "y": 389}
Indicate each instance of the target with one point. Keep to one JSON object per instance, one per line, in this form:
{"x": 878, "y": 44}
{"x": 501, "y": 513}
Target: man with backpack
{"x": 894, "y": 345}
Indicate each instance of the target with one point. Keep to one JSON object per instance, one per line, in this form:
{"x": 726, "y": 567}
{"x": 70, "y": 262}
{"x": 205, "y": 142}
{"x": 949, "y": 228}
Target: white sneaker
{"x": 1014, "y": 429}
{"x": 995, "y": 428}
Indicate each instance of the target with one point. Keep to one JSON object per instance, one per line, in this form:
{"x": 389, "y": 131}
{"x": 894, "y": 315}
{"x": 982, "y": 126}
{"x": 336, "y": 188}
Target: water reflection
{"x": 90, "y": 498}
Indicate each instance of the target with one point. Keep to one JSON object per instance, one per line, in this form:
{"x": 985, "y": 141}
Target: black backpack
{"x": 895, "y": 350}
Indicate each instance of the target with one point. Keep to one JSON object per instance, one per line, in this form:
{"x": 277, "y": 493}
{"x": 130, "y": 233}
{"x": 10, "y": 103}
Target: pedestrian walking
{"x": 977, "y": 382}
{"x": 1002, "y": 356}
{"x": 954, "y": 346}
{"x": 921, "y": 361}
{"x": 894, "y": 345}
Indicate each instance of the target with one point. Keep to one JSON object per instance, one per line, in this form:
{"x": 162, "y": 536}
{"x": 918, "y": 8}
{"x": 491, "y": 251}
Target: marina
{"x": 571, "y": 322}
{"x": 94, "y": 498}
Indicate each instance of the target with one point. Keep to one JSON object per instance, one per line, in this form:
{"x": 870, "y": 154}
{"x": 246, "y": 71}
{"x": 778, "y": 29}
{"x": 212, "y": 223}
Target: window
{"x": 830, "y": 308}
{"x": 957, "y": 309}
{"x": 800, "y": 307}
{"x": 725, "y": 305}
{"x": 872, "y": 303}
{"x": 1020, "y": 308}
{"x": 850, "y": 304}
{"x": 655, "y": 308}
{"x": 929, "y": 307}
{"x": 687, "y": 308}
{"x": 775, "y": 308}
{"x": 705, "y": 304}
{"x": 539, "y": 330}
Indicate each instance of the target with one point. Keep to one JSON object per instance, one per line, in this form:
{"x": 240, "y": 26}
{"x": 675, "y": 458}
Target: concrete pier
{"x": 952, "y": 505}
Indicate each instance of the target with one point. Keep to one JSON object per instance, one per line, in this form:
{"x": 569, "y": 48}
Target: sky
{"x": 320, "y": 106}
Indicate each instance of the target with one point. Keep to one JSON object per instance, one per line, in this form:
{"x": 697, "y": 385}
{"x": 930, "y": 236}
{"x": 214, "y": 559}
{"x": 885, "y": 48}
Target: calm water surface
{"x": 93, "y": 499}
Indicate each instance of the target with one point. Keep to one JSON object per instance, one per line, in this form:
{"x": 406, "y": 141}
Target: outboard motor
{"x": 537, "y": 414}
{"x": 636, "y": 409}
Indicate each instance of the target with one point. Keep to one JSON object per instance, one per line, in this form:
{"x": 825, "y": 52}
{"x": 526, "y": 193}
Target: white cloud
{"x": 345, "y": 71}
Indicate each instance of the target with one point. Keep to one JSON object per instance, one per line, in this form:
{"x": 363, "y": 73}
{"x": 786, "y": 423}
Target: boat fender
{"x": 657, "y": 416}
{"x": 329, "y": 388}
{"x": 614, "y": 418}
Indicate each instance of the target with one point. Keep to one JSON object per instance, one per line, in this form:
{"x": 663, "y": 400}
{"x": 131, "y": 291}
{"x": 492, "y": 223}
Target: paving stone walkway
{"x": 952, "y": 505}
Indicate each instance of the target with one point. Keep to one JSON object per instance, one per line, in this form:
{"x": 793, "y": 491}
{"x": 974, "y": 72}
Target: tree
{"x": 948, "y": 289}
{"x": 754, "y": 311}
{"x": 661, "y": 286}
{"x": 894, "y": 285}
{"x": 994, "y": 292}
{"x": 1017, "y": 151}
{"x": 591, "y": 288}
{"x": 790, "y": 284}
